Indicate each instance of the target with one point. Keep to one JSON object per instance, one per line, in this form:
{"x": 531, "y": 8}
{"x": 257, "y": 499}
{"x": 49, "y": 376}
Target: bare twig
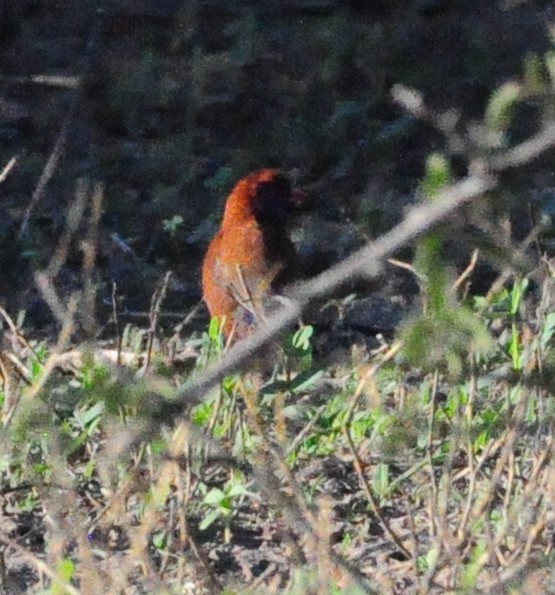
{"x": 73, "y": 218}
{"x": 17, "y": 334}
{"x": 66, "y": 82}
{"x": 468, "y": 271}
{"x": 72, "y": 82}
{"x": 8, "y": 168}
{"x": 116, "y": 321}
{"x": 524, "y": 152}
{"x": 51, "y": 362}
{"x": 372, "y": 500}
{"x": 90, "y": 249}
{"x": 518, "y": 254}
{"x": 50, "y": 167}
{"x": 366, "y": 261}
{"x": 157, "y": 299}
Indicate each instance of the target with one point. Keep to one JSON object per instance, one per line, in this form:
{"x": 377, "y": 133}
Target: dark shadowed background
{"x": 180, "y": 99}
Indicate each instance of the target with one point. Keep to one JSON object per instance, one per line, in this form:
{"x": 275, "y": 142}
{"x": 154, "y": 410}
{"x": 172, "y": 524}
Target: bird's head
{"x": 273, "y": 199}
{"x": 266, "y": 195}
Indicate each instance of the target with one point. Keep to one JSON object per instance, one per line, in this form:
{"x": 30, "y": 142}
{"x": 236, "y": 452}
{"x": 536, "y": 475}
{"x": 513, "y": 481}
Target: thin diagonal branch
{"x": 367, "y": 261}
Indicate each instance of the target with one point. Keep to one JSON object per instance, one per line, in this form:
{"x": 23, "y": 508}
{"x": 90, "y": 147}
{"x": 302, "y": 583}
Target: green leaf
{"x": 215, "y": 329}
{"x": 548, "y": 330}
{"x": 501, "y": 106}
{"x": 65, "y": 569}
{"x": 534, "y": 75}
{"x": 438, "y": 174}
{"x": 517, "y": 292}
{"x": 160, "y": 540}
{"x": 214, "y": 496}
{"x": 238, "y": 490}
{"x": 210, "y": 518}
{"x": 514, "y": 348}
{"x": 380, "y": 482}
{"x": 550, "y": 65}
{"x": 444, "y": 339}
{"x": 301, "y": 339}
{"x": 471, "y": 572}
{"x": 172, "y": 225}
{"x": 87, "y": 416}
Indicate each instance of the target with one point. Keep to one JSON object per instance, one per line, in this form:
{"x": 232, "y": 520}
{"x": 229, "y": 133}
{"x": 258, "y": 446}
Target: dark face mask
{"x": 273, "y": 202}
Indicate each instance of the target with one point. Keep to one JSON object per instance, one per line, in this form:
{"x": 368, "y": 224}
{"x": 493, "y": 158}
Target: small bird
{"x": 251, "y": 257}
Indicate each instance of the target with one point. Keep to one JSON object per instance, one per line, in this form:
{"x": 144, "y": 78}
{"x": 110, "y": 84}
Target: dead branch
{"x": 367, "y": 261}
